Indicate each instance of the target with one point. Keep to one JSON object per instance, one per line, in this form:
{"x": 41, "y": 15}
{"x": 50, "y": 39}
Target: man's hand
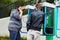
{"x": 20, "y": 12}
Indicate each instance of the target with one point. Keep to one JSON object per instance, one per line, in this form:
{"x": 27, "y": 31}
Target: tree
{"x": 50, "y": 1}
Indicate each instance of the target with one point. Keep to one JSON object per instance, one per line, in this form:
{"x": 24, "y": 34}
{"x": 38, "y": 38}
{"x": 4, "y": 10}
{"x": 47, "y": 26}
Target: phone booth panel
{"x": 49, "y": 19}
{"x": 58, "y": 19}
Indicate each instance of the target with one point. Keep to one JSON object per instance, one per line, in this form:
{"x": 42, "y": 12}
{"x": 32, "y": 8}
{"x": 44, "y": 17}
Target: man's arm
{"x": 28, "y": 23}
{"x": 21, "y": 11}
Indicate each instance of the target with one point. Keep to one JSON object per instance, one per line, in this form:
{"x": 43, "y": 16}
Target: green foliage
{"x": 7, "y": 5}
{"x": 6, "y": 38}
{"x": 50, "y": 1}
{"x": 23, "y": 38}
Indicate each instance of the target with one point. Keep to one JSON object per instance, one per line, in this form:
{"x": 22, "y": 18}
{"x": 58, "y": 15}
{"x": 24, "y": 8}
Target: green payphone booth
{"x": 49, "y": 23}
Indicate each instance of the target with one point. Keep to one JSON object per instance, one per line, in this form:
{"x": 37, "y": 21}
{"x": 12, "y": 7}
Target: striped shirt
{"x": 15, "y": 21}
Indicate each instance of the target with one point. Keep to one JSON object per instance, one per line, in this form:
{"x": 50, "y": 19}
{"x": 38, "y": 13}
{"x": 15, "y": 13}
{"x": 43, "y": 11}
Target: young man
{"x": 34, "y": 23}
{"x": 15, "y": 23}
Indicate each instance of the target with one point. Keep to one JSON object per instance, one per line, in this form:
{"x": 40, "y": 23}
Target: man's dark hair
{"x": 37, "y": 4}
{"x": 17, "y": 5}
{"x": 39, "y": 1}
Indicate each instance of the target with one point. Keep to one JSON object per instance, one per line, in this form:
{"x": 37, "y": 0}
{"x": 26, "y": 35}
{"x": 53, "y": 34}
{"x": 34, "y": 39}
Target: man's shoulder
{"x": 41, "y": 12}
{"x": 13, "y": 10}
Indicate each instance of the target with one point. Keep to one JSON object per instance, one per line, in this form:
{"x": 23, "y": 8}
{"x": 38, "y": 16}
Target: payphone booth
{"x": 58, "y": 19}
{"x": 49, "y": 12}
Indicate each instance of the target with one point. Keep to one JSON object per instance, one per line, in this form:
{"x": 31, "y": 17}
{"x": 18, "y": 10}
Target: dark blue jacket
{"x": 35, "y": 20}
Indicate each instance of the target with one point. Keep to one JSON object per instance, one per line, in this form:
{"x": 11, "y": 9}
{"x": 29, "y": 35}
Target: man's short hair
{"x": 37, "y": 4}
{"x": 17, "y": 5}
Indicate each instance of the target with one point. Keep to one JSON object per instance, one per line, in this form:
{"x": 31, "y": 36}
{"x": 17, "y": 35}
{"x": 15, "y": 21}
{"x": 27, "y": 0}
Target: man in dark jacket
{"x": 34, "y": 23}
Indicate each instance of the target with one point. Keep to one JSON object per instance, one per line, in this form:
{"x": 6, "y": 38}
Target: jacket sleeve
{"x": 28, "y": 24}
{"x": 42, "y": 20}
{"x": 43, "y": 16}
